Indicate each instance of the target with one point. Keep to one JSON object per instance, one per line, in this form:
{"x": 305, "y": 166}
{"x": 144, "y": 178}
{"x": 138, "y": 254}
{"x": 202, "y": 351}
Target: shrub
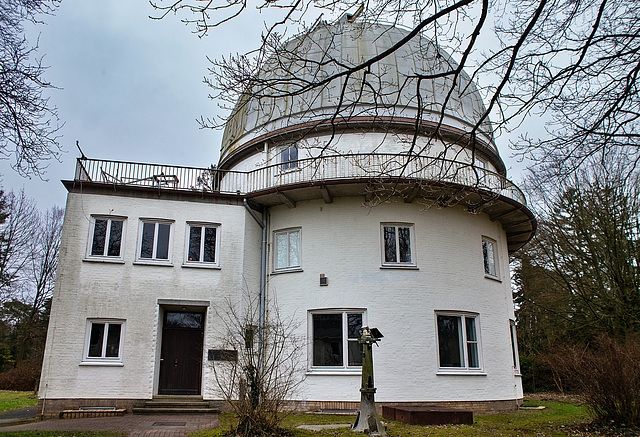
{"x": 23, "y": 377}
{"x": 608, "y": 373}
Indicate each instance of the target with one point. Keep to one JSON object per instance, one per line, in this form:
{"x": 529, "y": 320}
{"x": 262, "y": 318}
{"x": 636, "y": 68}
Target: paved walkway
{"x": 138, "y": 425}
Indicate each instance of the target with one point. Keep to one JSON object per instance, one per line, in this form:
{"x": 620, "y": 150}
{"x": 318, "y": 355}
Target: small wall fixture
{"x": 323, "y": 279}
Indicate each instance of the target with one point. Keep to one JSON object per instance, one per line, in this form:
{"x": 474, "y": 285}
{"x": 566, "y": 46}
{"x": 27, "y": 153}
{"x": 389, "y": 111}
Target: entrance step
{"x": 177, "y": 405}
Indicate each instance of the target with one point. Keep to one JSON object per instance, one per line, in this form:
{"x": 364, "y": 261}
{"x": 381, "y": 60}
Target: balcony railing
{"x": 378, "y": 167}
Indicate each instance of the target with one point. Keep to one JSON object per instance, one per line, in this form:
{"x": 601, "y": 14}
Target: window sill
{"x": 341, "y": 371}
{"x": 104, "y": 260}
{"x": 493, "y": 278}
{"x": 292, "y": 270}
{"x": 399, "y": 266}
{"x": 464, "y": 372}
{"x": 153, "y": 263}
{"x": 103, "y": 363}
{"x": 193, "y": 265}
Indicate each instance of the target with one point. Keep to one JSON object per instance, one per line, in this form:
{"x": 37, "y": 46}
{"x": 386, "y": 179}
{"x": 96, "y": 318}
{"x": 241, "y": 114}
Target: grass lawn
{"x": 10, "y": 400}
{"x": 557, "y": 419}
{"x": 64, "y": 433}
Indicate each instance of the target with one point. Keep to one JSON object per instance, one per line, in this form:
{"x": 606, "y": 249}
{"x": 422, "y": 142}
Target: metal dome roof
{"x": 280, "y": 95}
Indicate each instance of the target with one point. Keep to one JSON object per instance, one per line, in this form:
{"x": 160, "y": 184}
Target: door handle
{"x": 176, "y": 363}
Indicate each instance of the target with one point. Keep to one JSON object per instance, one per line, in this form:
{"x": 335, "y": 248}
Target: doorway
{"x": 181, "y": 353}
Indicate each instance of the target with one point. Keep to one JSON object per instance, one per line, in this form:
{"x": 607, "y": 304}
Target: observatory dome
{"x": 310, "y": 79}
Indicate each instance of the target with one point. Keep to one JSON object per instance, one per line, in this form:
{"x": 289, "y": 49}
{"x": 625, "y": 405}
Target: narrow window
{"x": 335, "y": 337}
{"x": 202, "y": 244}
{"x": 106, "y": 238}
{"x": 514, "y": 346}
{"x": 155, "y": 241}
{"x": 397, "y": 245}
{"x": 287, "y": 249}
{"x": 289, "y": 157}
{"x": 458, "y": 344}
{"x": 104, "y": 340}
{"x": 489, "y": 257}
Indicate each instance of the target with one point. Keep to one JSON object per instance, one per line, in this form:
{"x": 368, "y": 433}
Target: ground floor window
{"x": 104, "y": 340}
{"x": 514, "y": 346}
{"x": 458, "y": 341}
{"x": 334, "y": 335}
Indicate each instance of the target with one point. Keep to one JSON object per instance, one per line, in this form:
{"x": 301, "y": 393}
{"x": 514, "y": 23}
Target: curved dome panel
{"x": 310, "y": 77}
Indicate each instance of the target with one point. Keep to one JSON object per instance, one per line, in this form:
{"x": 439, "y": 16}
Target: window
{"x": 289, "y": 158}
{"x": 335, "y": 337}
{"x": 397, "y": 243}
{"x": 514, "y": 347}
{"x": 489, "y": 256}
{"x": 202, "y": 244}
{"x": 287, "y": 250}
{"x": 155, "y": 241}
{"x": 106, "y": 237}
{"x": 104, "y": 341}
{"x": 458, "y": 341}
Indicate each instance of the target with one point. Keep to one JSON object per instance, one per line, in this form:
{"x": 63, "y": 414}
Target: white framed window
{"x": 490, "y": 257}
{"x": 106, "y": 237}
{"x": 287, "y": 250}
{"x": 202, "y": 245}
{"x": 289, "y": 158}
{"x": 458, "y": 337}
{"x": 397, "y": 245}
{"x": 104, "y": 339}
{"x": 155, "y": 241}
{"x": 514, "y": 347}
{"x": 334, "y": 335}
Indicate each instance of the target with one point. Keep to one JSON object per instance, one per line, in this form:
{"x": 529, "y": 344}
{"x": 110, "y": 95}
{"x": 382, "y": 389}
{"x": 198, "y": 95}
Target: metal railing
{"x": 374, "y": 167}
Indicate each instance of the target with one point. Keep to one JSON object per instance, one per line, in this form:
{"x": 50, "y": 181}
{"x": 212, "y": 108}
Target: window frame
{"x": 288, "y": 267}
{"x": 496, "y": 266}
{"x": 202, "y": 263}
{"x": 105, "y": 257}
{"x": 345, "y": 368}
{"x": 103, "y": 360}
{"x": 398, "y": 264}
{"x": 154, "y": 260}
{"x": 285, "y": 162}
{"x": 462, "y": 337}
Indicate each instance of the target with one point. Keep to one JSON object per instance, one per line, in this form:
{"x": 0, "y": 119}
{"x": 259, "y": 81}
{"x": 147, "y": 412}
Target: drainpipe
{"x": 263, "y": 260}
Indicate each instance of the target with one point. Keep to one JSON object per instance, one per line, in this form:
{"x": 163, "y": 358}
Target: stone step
{"x": 173, "y": 404}
{"x": 146, "y": 410}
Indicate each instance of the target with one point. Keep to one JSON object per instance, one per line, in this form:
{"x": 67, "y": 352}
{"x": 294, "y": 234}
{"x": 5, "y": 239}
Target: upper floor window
{"x": 289, "y": 157}
{"x": 106, "y": 237}
{"x": 490, "y": 258}
{"x": 103, "y": 341}
{"x": 155, "y": 242}
{"x": 397, "y": 244}
{"x": 202, "y": 244}
{"x": 335, "y": 335}
{"x": 458, "y": 341}
{"x": 287, "y": 249}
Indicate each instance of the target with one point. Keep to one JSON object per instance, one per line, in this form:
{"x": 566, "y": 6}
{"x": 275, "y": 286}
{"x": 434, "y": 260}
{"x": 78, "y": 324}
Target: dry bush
{"x": 23, "y": 377}
{"x": 607, "y": 371}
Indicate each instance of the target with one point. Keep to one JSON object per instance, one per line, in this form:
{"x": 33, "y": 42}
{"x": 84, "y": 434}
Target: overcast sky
{"x": 130, "y": 88}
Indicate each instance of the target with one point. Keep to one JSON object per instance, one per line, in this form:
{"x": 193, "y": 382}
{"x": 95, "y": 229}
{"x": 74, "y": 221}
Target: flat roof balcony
{"x": 376, "y": 176}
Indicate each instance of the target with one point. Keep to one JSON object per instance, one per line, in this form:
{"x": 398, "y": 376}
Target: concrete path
{"x": 18, "y": 415}
{"x": 137, "y": 425}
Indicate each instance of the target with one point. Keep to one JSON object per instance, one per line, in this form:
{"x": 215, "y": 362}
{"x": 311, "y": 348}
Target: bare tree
{"x": 28, "y": 122}
{"x": 260, "y": 367}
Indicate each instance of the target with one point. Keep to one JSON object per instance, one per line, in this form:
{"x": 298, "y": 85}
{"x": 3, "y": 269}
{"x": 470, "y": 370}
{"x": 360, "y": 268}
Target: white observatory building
{"x": 361, "y": 202}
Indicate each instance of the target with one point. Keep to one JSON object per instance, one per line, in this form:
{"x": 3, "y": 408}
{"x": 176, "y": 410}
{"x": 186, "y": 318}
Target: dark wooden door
{"x": 181, "y": 354}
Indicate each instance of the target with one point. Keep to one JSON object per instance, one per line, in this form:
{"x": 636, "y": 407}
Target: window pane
{"x": 471, "y": 329}
{"x": 327, "y": 340}
{"x": 115, "y": 238}
{"x": 195, "y": 233}
{"x": 99, "y": 236}
{"x": 489, "y": 257}
{"x": 209, "y": 245}
{"x": 293, "y": 156}
{"x": 184, "y": 320}
{"x": 472, "y": 352}
{"x": 472, "y": 342}
{"x": 355, "y": 323}
{"x": 95, "y": 341}
{"x": 513, "y": 345}
{"x": 449, "y": 341}
{"x": 281, "y": 251}
{"x": 294, "y": 249}
{"x": 404, "y": 238}
{"x": 355, "y": 353}
{"x": 146, "y": 247}
{"x": 162, "y": 249}
{"x": 390, "y": 244}
{"x": 113, "y": 340}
